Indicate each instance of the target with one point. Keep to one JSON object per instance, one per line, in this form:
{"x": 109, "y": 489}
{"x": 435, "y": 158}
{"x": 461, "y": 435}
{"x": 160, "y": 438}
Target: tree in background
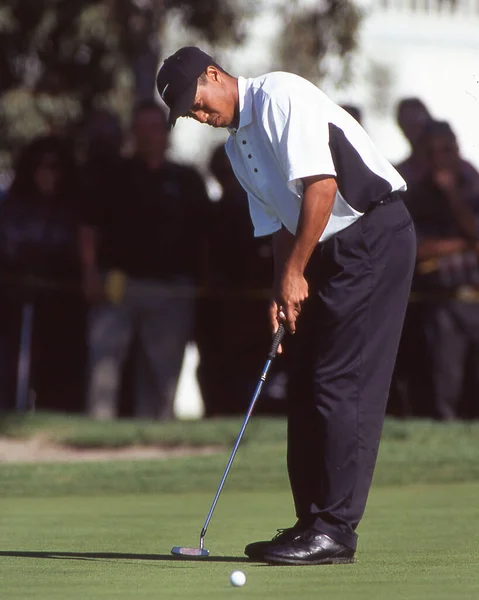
{"x": 327, "y": 31}
{"x": 59, "y": 59}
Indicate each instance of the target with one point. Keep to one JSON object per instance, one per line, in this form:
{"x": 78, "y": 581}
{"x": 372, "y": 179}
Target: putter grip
{"x": 278, "y": 336}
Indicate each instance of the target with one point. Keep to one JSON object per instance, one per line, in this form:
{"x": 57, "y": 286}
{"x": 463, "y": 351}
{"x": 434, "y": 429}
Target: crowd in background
{"x": 119, "y": 259}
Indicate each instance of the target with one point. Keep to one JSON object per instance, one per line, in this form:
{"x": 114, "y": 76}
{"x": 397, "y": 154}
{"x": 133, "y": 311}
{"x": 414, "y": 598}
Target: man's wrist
{"x": 294, "y": 267}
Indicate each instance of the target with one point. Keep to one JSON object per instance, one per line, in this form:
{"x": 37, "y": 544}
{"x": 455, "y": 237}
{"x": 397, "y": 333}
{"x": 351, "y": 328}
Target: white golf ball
{"x": 237, "y": 578}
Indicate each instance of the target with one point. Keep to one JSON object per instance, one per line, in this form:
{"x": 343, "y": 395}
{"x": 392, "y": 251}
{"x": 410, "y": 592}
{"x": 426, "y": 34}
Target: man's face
{"x": 150, "y": 133}
{"x": 213, "y": 105}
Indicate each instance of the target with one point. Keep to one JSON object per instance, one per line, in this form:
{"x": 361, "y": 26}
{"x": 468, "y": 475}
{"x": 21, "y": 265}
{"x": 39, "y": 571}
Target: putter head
{"x": 189, "y": 552}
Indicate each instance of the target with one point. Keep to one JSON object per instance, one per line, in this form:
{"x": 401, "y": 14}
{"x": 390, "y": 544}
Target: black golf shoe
{"x": 309, "y": 548}
{"x": 256, "y": 550}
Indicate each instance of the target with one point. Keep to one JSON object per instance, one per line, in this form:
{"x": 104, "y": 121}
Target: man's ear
{"x": 213, "y": 73}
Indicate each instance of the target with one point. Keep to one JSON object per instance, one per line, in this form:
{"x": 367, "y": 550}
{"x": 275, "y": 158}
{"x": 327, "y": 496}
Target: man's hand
{"x": 445, "y": 179}
{"x": 293, "y": 251}
{"x": 292, "y": 293}
{"x": 274, "y": 320}
{"x": 289, "y": 297}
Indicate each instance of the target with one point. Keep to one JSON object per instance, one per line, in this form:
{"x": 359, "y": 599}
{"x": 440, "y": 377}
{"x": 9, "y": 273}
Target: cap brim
{"x": 183, "y": 104}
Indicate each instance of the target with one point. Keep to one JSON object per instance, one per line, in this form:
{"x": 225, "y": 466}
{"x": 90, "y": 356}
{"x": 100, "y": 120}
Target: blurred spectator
{"x": 354, "y": 111}
{"x": 411, "y": 392}
{"x": 444, "y": 204}
{"x": 101, "y": 181}
{"x": 103, "y": 135}
{"x": 141, "y": 249}
{"x": 39, "y": 266}
{"x": 412, "y": 116}
{"x": 232, "y": 332}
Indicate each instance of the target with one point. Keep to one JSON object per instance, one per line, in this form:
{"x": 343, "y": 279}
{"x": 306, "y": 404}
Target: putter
{"x": 201, "y": 552}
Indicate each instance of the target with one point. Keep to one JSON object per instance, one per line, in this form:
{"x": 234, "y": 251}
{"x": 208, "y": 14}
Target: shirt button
{"x": 250, "y": 156}
{"x": 244, "y": 141}
{"x": 256, "y": 170}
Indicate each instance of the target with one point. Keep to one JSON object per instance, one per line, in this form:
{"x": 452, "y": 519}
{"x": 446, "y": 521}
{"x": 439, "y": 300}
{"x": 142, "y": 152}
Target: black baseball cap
{"x": 177, "y": 79}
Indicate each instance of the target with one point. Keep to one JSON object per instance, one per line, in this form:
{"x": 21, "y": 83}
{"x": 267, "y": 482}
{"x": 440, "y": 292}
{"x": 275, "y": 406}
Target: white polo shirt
{"x": 288, "y": 130}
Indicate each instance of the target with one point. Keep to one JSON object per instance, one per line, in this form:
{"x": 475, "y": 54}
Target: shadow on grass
{"x": 120, "y": 556}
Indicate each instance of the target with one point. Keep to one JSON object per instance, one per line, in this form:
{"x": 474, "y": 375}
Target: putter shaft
{"x": 272, "y": 353}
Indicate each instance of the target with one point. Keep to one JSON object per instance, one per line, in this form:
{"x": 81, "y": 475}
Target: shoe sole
{"x": 339, "y": 560}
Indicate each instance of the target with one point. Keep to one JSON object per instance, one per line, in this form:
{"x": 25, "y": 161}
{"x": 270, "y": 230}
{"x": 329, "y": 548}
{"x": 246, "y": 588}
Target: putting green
{"x": 416, "y": 542}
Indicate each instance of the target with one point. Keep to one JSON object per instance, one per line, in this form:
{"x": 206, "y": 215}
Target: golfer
{"x": 344, "y": 250}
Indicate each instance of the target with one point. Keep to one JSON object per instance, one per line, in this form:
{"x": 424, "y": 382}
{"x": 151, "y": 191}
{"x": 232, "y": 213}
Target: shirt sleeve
{"x": 298, "y": 128}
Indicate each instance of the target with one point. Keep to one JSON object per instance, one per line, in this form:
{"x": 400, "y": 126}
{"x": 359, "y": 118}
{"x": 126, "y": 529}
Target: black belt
{"x": 391, "y": 197}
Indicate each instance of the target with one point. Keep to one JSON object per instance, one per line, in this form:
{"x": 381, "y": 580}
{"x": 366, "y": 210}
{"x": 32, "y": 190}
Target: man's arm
{"x": 283, "y": 242}
{"x": 292, "y": 255}
{"x": 318, "y": 201}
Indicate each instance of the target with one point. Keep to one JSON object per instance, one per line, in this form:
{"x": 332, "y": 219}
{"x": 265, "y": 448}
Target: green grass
{"x": 410, "y": 452}
{"x": 104, "y": 530}
{"x": 81, "y": 432}
{"x": 415, "y": 543}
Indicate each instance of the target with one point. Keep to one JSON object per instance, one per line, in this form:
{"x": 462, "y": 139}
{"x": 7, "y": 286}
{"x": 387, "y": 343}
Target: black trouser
{"x": 343, "y": 358}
